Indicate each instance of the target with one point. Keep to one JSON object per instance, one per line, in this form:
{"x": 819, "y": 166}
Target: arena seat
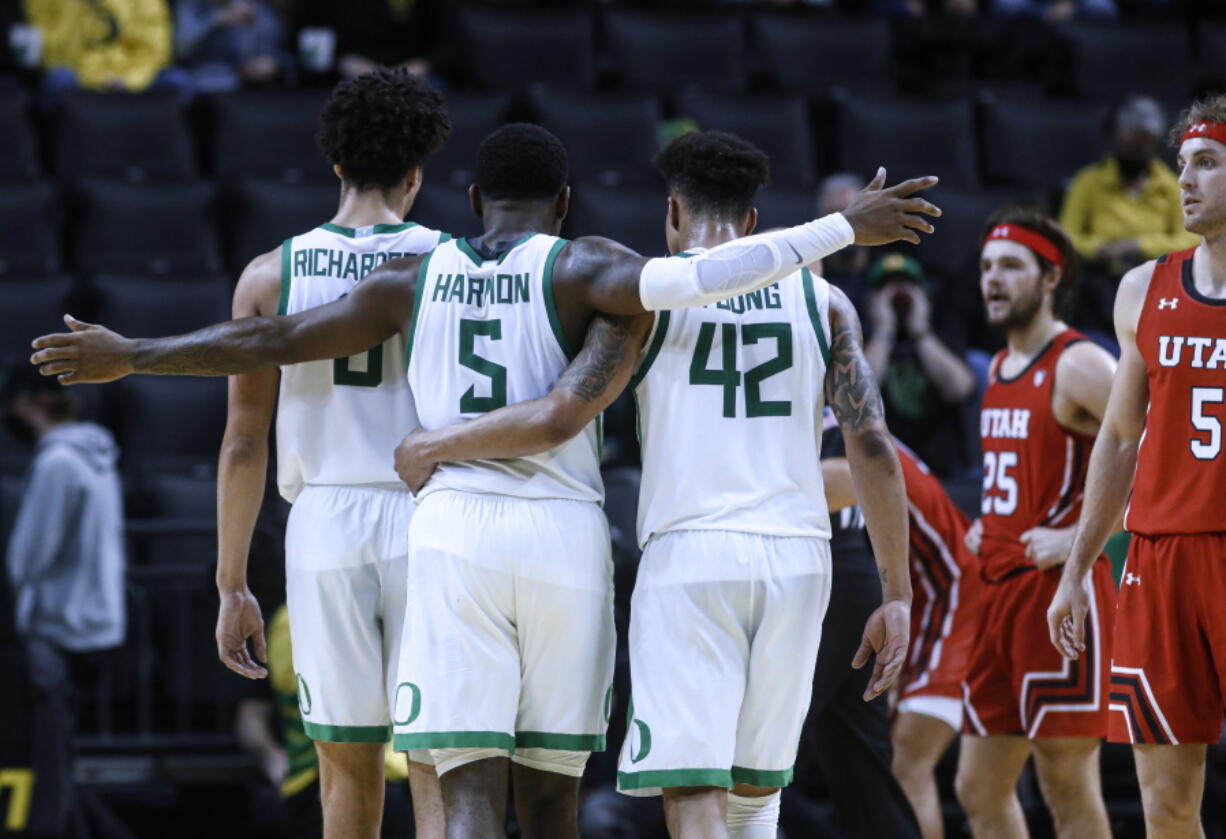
{"x": 265, "y": 212}
{"x": 133, "y": 136}
{"x": 779, "y": 125}
{"x": 1114, "y": 60}
{"x": 633, "y": 217}
{"x": 148, "y": 306}
{"x": 154, "y": 229}
{"x": 473, "y": 116}
{"x": 817, "y": 54}
{"x": 20, "y": 163}
{"x": 513, "y": 49}
{"x": 1211, "y": 47}
{"x": 609, "y": 139}
{"x": 31, "y": 308}
{"x": 784, "y": 206}
{"x": 445, "y": 208}
{"x": 29, "y": 230}
{"x": 908, "y": 137}
{"x": 954, "y": 250}
{"x": 662, "y": 52}
{"x": 1039, "y": 144}
{"x": 268, "y": 135}
{"x": 168, "y": 416}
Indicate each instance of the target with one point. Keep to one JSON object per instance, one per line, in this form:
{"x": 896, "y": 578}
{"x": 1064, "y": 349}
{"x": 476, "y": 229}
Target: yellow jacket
{"x": 103, "y": 40}
{"x": 1098, "y": 209}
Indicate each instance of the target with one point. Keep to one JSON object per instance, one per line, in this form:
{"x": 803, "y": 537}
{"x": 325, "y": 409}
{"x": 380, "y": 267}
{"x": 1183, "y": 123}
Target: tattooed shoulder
{"x": 605, "y": 351}
{"x": 851, "y": 388}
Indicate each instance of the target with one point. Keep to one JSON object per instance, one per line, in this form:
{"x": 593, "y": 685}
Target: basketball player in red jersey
{"x": 1164, "y": 425}
{"x": 1046, "y": 397}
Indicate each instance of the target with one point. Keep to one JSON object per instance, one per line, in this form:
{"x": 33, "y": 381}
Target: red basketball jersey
{"x": 1034, "y": 470}
{"x": 1181, "y": 472}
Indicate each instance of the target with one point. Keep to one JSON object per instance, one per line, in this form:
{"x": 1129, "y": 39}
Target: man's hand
{"x": 919, "y": 314}
{"x": 880, "y": 311}
{"x": 1048, "y": 547}
{"x": 237, "y": 620}
{"x": 89, "y": 353}
{"x": 880, "y": 216}
{"x": 888, "y": 634}
{"x": 412, "y": 464}
{"x": 974, "y": 536}
{"x": 1066, "y": 617}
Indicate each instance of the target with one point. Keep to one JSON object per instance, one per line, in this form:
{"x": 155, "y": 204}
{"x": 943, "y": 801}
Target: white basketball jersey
{"x": 730, "y": 400}
{"x": 339, "y": 421}
{"x": 485, "y": 334}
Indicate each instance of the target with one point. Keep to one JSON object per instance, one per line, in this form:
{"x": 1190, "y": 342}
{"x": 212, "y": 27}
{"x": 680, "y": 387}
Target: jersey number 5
{"x": 372, "y": 376}
{"x": 470, "y": 402}
{"x": 1202, "y": 396}
{"x": 729, "y": 378}
{"x": 996, "y": 479}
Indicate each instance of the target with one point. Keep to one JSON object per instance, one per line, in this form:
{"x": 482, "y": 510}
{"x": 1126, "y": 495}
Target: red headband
{"x": 1207, "y": 130}
{"x": 1024, "y": 236}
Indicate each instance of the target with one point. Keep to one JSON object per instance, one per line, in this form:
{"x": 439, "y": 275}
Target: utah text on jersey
{"x": 1171, "y": 351}
{"x": 1010, "y": 423}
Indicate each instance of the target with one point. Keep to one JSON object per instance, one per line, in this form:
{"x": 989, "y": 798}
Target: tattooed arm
{"x": 851, "y": 391}
{"x": 589, "y": 385}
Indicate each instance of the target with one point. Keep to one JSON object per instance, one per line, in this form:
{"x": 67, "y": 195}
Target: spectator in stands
{"x": 1056, "y": 11}
{"x": 845, "y": 268}
{"x": 921, "y": 377}
{"x": 66, "y": 552}
{"x": 381, "y": 33}
{"x": 228, "y": 43}
{"x": 106, "y": 45}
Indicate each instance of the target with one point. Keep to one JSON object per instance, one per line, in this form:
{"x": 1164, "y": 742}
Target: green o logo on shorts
{"x": 304, "y": 695}
{"x": 644, "y": 736}
{"x": 414, "y": 702}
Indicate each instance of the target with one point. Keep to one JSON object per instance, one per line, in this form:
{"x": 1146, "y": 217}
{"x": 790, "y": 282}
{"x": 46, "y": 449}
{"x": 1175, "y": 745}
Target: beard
{"x": 1021, "y": 311}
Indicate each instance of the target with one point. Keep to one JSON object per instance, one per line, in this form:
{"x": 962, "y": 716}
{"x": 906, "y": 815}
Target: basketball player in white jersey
{"x": 346, "y": 541}
{"x": 509, "y": 637}
{"x": 735, "y": 575}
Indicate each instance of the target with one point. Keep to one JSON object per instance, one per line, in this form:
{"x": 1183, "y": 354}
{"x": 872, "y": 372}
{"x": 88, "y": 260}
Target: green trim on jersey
{"x": 657, "y": 341}
{"x": 455, "y": 740}
{"x": 468, "y": 250}
{"x": 761, "y": 777}
{"x": 418, "y": 296}
{"x": 563, "y": 742}
{"x": 287, "y": 250}
{"x": 444, "y": 237}
{"x": 675, "y": 778}
{"x": 348, "y": 733}
{"x": 376, "y": 230}
{"x": 811, "y": 304}
{"x": 551, "y": 307}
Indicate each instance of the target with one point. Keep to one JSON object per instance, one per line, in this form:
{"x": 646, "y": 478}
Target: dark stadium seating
{"x": 1211, "y": 47}
{"x": 662, "y": 52}
{"x": 20, "y": 159}
{"x": 780, "y": 126}
{"x": 155, "y": 229}
{"x": 815, "y": 55}
{"x": 445, "y": 208}
{"x": 609, "y": 139}
{"x": 473, "y": 117}
{"x": 269, "y": 135}
{"x": 784, "y": 206}
{"x": 31, "y": 308}
{"x": 1113, "y": 60}
{"x": 954, "y": 249}
{"x": 510, "y": 50}
{"x": 168, "y": 416}
{"x": 634, "y": 217}
{"x": 263, "y": 213}
{"x": 1039, "y": 144}
{"x": 145, "y": 306}
{"x": 29, "y": 230}
{"x": 909, "y": 137}
{"x": 138, "y": 137}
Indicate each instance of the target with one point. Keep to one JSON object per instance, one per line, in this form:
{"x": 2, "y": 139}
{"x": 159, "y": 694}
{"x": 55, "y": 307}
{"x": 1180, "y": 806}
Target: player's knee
{"x": 358, "y": 760}
{"x": 1069, "y": 776}
{"x": 1170, "y": 804}
{"x": 980, "y": 792}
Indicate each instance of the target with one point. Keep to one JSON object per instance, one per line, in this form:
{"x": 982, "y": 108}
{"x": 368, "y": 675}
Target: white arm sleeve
{"x": 740, "y": 266}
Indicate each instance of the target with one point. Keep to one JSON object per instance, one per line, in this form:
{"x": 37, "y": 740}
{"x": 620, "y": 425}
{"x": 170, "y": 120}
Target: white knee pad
{"x": 753, "y": 817}
{"x": 557, "y": 761}
{"x": 447, "y": 759}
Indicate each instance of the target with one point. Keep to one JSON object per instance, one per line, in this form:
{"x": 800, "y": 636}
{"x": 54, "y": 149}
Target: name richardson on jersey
{"x": 1006, "y": 423}
{"x": 766, "y": 298}
{"x": 481, "y": 291}
{"x": 1197, "y": 352}
{"x": 344, "y": 265}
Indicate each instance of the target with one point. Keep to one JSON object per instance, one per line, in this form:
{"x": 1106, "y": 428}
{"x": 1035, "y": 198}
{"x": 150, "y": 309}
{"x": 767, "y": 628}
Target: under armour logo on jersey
{"x": 1168, "y": 303}
{"x": 1131, "y": 579}
{"x": 1040, "y": 376}
{"x": 1199, "y": 128}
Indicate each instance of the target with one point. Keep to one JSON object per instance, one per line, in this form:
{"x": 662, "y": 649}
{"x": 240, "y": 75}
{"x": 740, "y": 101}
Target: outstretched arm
{"x": 589, "y": 385}
{"x": 376, "y": 309}
{"x": 851, "y": 391}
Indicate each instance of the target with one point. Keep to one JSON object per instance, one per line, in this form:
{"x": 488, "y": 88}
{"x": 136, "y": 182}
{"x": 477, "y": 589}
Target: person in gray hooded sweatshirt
{"x": 65, "y": 556}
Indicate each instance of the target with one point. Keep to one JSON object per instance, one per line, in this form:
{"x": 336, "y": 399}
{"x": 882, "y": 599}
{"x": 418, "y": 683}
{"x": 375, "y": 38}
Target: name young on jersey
{"x": 481, "y": 291}
{"x": 1007, "y": 423}
{"x": 766, "y": 298}
{"x": 1171, "y": 352}
{"x": 344, "y": 265}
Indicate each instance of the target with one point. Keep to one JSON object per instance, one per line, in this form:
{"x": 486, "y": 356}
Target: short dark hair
{"x": 380, "y": 126}
{"x": 521, "y": 162}
{"x": 1208, "y": 109}
{"x": 713, "y": 172}
{"x": 1039, "y": 222}
{"x": 23, "y": 379}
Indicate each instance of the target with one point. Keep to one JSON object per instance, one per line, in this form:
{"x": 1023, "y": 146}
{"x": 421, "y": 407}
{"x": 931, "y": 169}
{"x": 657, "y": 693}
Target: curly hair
{"x": 380, "y": 126}
{"x": 713, "y": 172}
{"x": 1038, "y": 222}
{"x": 521, "y": 162}
{"x": 1209, "y": 109}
